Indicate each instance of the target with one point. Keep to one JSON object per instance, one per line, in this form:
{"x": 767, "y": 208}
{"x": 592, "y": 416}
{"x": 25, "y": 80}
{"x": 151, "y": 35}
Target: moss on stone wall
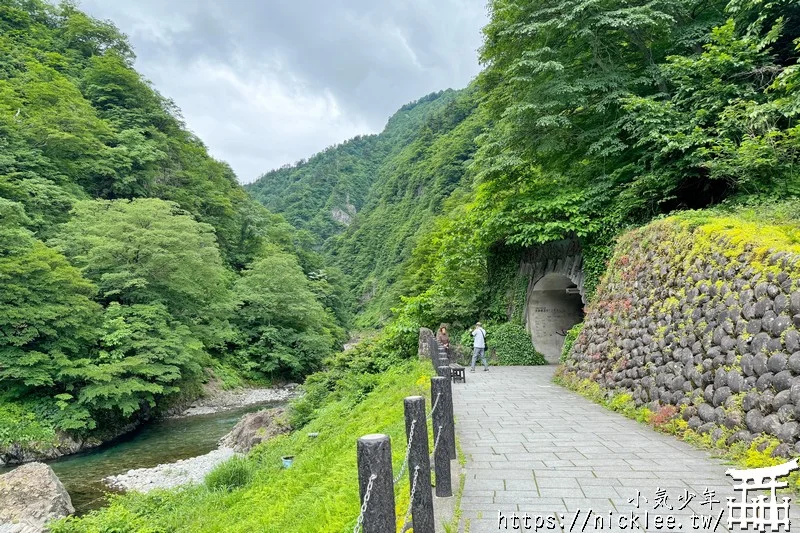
{"x": 701, "y": 311}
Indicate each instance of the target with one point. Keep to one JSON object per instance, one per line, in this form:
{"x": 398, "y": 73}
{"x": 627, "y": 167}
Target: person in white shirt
{"x": 479, "y": 347}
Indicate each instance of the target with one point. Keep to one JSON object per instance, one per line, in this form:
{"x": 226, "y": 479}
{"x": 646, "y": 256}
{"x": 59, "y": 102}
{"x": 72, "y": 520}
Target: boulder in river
{"x": 30, "y": 496}
{"x": 255, "y": 428}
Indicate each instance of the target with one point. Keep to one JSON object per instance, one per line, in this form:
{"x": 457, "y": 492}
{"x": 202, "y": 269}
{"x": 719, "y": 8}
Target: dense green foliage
{"x": 569, "y": 340}
{"x": 130, "y": 260}
{"x": 507, "y": 344}
{"x": 512, "y": 345}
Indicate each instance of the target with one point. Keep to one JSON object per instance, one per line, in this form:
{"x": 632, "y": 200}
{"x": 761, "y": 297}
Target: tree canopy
{"x": 123, "y": 244}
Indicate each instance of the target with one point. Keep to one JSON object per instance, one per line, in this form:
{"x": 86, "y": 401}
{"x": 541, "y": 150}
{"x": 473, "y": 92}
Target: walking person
{"x": 479, "y": 347}
{"x": 444, "y": 340}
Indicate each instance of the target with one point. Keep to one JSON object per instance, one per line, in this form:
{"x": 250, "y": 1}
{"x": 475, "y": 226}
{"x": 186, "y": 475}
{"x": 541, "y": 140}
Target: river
{"x": 163, "y": 441}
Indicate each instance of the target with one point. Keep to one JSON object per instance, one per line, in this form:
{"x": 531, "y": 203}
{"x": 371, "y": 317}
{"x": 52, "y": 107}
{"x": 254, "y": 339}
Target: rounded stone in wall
{"x": 773, "y": 290}
{"x": 720, "y": 378}
{"x": 733, "y": 420}
{"x": 747, "y": 364}
{"x": 782, "y": 450}
{"x": 764, "y": 381}
{"x": 740, "y": 436}
{"x": 782, "y": 381}
{"x": 708, "y": 427}
{"x": 721, "y": 395}
{"x": 765, "y": 399}
{"x": 761, "y": 307}
{"x": 753, "y": 326}
{"x": 794, "y": 302}
{"x": 759, "y": 343}
{"x": 774, "y": 345}
{"x": 779, "y": 325}
{"x": 767, "y": 320}
{"x": 792, "y": 340}
{"x": 772, "y": 424}
{"x": 754, "y": 421}
{"x": 777, "y": 363}
{"x": 728, "y": 343}
{"x": 759, "y": 364}
{"x": 780, "y": 303}
{"x": 705, "y": 412}
{"x": 735, "y": 381}
{"x": 750, "y": 401}
{"x": 760, "y": 289}
{"x": 786, "y": 413}
{"x": 708, "y": 394}
{"x": 781, "y": 399}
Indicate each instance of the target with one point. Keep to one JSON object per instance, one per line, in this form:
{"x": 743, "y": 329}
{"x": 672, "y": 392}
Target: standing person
{"x": 479, "y": 347}
{"x": 444, "y": 340}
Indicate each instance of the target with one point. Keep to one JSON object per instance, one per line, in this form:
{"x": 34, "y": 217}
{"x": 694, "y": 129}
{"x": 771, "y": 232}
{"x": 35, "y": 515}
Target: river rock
{"x": 255, "y": 428}
{"x": 30, "y": 496}
{"x": 170, "y": 475}
{"x": 227, "y": 400}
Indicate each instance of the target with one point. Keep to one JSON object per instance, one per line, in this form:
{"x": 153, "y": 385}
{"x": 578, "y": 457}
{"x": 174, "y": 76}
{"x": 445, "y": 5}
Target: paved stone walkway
{"x": 534, "y": 447}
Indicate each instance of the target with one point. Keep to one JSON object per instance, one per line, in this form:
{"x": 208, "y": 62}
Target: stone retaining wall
{"x": 702, "y": 314}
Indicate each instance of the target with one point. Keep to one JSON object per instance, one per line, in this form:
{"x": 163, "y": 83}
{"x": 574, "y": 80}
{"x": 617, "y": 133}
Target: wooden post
{"x": 374, "y": 454}
{"x": 444, "y": 386}
{"x": 419, "y": 465}
{"x": 441, "y": 454}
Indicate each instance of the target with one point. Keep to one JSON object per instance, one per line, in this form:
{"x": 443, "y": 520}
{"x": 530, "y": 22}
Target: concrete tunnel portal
{"x": 554, "y": 301}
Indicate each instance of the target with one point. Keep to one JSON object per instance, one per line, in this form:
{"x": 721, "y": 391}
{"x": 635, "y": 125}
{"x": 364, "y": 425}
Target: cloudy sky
{"x": 268, "y": 82}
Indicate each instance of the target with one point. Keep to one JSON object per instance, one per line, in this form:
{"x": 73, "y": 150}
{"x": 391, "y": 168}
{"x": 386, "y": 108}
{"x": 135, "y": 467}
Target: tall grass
{"x": 319, "y": 493}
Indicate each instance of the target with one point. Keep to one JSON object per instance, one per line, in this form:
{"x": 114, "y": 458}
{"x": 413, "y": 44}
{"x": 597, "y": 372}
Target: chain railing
{"x": 367, "y": 496}
{"x": 377, "y": 483}
{"x": 436, "y": 442}
{"x": 408, "y": 452}
{"x": 435, "y": 405}
{"x": 406, "y": 523}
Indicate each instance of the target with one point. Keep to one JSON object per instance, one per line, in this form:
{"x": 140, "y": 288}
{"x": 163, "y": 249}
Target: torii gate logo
{"x": 759, "y": 512}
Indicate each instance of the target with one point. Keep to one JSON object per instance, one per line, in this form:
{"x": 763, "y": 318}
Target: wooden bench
{"x": 457, "y": 372}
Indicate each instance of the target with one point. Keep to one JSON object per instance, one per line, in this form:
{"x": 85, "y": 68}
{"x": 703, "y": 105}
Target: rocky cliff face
{"x": 702, "y": 314}
{"x": 30, "y": 496}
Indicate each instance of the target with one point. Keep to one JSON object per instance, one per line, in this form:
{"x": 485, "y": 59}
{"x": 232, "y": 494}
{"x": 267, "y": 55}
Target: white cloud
{"x": 268, "y": 83}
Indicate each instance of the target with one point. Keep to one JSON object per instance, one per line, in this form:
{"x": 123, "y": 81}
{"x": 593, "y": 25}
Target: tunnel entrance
{"x": 554, "y": 306}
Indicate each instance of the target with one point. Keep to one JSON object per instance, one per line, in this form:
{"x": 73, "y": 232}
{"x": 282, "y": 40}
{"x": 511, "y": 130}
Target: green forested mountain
{"x": 325, "y": 192}
{"x": 130, "y": 260}
{"x": 587, "y": 119}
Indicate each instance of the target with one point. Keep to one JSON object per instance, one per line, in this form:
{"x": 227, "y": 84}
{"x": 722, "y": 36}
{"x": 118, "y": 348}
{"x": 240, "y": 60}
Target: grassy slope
{"x": 319, "y": 493}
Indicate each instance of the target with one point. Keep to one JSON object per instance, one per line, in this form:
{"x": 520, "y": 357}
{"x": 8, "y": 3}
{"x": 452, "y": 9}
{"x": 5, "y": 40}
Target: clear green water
{"x": 159, "y": 442}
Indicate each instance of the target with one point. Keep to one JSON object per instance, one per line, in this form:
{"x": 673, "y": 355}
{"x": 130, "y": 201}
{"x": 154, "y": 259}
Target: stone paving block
{"x": 569, "y": 471}
{"x": 558, "y": 492}
{"x": 557, "y": 482}
{"x": 526, "y": 485}
{"x": 497, "y": 473}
